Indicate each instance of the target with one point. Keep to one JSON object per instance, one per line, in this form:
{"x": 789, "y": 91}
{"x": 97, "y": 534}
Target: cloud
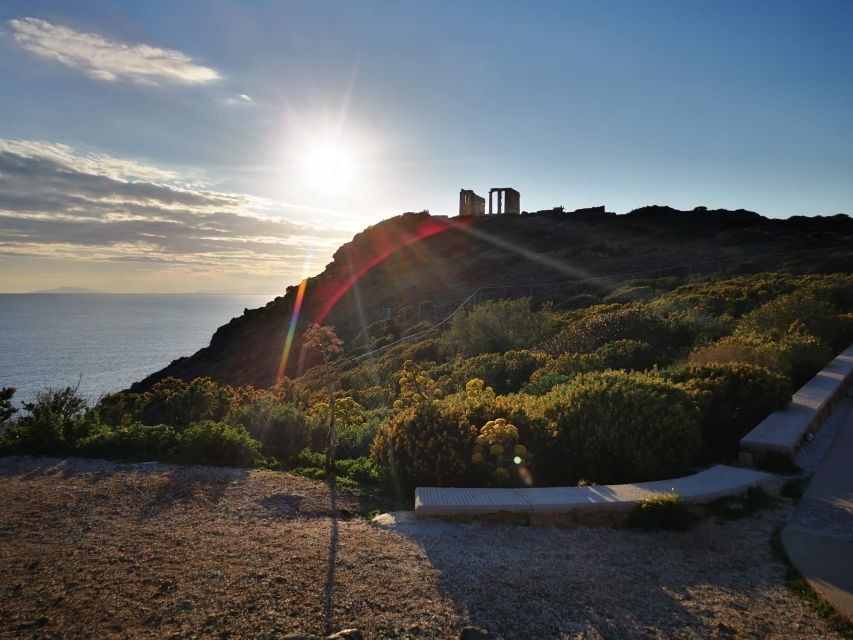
{"x": 106, "y": 59}
{"x": 58, "y": 202}
{"x": 239, "y": 99}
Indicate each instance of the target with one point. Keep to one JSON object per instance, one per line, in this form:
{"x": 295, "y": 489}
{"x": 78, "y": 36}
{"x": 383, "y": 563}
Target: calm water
{"x": 111, "y": 340}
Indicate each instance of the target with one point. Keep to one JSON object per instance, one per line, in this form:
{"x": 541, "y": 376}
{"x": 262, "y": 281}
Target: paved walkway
{"x": 819, "y": 538}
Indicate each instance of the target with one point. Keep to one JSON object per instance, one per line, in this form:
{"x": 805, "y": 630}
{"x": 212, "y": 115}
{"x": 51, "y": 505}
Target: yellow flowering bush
{"x": 498, "y": 450}
{"x": 415, "y": 387}
{"x": 424, "y": 440}
{"x": 424, "y": 443}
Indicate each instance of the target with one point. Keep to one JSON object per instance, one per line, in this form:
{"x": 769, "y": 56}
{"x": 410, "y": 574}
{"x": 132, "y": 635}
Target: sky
{"x": 225, "y": 146}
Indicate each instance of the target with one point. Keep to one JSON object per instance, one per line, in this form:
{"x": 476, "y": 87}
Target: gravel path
{"x": 96, "y": 549}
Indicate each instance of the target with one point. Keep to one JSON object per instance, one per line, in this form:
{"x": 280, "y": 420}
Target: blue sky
{"x": 225, "y": 146}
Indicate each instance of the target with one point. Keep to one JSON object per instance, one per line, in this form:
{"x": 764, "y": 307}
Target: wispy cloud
{"x": 239, "y": 99}
{"x": 58, "y": 202}
{"x": 107, "y": 59}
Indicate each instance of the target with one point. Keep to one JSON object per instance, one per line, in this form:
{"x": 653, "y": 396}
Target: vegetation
{"x": 667, "y": 374}
{"x": 324, "y": 341}
{"x": 662, "y": 511}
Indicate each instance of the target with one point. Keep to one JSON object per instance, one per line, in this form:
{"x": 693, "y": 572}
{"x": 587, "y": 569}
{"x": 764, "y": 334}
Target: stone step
{"x": 782, "y": 432}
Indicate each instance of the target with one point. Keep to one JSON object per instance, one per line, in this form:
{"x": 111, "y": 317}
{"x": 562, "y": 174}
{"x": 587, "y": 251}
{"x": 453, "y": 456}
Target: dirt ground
{"x": 97, "y": 549}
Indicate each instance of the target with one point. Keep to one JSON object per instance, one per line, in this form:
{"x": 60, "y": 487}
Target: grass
{"x": 662, "y": 511}
{"x": 803, "y": 590}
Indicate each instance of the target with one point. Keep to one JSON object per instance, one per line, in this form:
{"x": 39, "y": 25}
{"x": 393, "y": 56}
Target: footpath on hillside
{"x": 819, "y": 537}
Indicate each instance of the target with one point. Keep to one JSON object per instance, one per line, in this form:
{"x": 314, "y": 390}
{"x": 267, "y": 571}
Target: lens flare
{"x": 288, "y": 341}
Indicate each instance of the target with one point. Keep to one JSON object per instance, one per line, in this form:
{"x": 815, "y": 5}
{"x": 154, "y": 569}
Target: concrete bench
{"x": 606, "y": 504}
{"x": 782, "y": 432}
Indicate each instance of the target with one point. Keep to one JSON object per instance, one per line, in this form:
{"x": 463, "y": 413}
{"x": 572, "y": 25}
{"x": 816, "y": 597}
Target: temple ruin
{"x": 508, "y": 201}
{"x": 470, "y": 204}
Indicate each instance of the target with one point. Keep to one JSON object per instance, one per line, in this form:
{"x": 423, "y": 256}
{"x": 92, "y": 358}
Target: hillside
{"x": 420, "y": 267}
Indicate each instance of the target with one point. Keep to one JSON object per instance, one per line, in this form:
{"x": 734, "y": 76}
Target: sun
{"x": 327, "y": 168}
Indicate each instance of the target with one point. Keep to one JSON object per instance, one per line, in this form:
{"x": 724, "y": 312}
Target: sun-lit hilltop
{"x": 419, "y": 268}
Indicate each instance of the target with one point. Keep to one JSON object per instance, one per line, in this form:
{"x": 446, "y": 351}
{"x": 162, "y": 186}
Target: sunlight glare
{"x": 327, "y": 168}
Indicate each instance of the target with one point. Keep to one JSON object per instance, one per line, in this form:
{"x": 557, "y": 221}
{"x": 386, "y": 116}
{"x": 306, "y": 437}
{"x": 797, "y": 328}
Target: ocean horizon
{"x": 104, "y": 341}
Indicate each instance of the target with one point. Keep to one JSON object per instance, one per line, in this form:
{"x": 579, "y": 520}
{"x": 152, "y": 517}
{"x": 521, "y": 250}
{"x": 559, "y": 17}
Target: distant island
{"x": 67, "y": 290}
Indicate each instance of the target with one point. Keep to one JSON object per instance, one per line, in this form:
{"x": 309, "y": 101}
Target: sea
{"x": 104, "y": 342}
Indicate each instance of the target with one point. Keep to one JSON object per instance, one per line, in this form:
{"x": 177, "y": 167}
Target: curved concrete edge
{"x": 782, "y": 432}
{"x": 817, "y": 557}
{"x": 606, "y": 504}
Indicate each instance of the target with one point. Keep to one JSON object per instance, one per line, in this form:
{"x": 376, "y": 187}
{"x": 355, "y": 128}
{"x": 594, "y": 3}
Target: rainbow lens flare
{"x": 288, "y": 341}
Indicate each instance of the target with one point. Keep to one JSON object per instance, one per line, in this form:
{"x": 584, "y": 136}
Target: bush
{"x": 661, "y": 511}
{"x": 600, "y": 325}
{"x": 498, "y": 451}
{"x": 796, "y": 355}
{"x": 809, "y": 310}
{"x": 281, "y": 428}
{"x": 635, "y": 355}
{"x": 425, "y": 440}
{"x": 496, "y": 326}
{"x": 427, "y": 350}
{"x": 504, "y": 372}
{"x": 53, "y": 424}
{"x": 133, "y": 442}
{"x": 354, "y": 433}
{"x": 217, "y": 444}
{"x": 174, "y": 402}
{"x": 120, "y": 408}
{"x": 562, "y": 369}
{"x": 732, "y": 397}
{"x": 616, "y": 426}
{"x": 362, "y": 470}
{"x": 7, "y": 409}
{"x": 424, "y": 444}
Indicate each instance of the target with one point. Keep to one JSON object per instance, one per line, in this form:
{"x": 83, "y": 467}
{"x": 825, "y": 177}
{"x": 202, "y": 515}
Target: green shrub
{"x": 354, "y": 433}
{"x": 7, "y": 409}
{"x": 635, "y": 355}
{"x": 631, "y": 293}
{"x": 134, "y": 442}
{"x": 796, "y": 355}
{"x": 732, "y": 397}
{"x": 281, "y": 428}
{"x": 427, "y": 350}
{"x": 617, "y": 426}
{"x": 600, "y": 325}
{"x": 809, "y": 310}
{"x": 362, "y": 470}
{"x": 176, "y": 403}
{"x": 496, "y": 326}
{"x": 53, "y": 424}
{"x": 120, "y": 408}
{"x": 661, "y": 511}
{"x": 562, "y": 369}
{"x": 375, "y": 397}
{"x": 217, "y": 444}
